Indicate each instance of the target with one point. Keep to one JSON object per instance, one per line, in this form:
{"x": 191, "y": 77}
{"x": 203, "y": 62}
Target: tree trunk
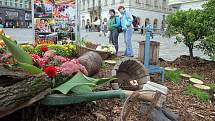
{"x": 191, "y": 52}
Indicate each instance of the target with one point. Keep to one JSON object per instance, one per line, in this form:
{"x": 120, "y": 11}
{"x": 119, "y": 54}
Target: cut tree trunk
{"x": 21, "y": 90}
{"x": 92, "y": 61}
{"x": 195, "y": 81}
{"x": 202, "y": 87}
{"x": 186, "y": 76}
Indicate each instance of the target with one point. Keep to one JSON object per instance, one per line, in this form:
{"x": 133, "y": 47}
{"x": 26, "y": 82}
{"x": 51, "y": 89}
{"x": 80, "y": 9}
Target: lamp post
{"x": 78, "y": 34}
{"x": 100, "y": 10}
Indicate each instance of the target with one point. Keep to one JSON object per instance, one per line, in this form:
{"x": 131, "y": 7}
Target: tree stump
{"x": 92, "y": 61}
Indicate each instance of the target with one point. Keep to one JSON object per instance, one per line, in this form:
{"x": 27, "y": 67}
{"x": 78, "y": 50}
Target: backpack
{"x": 120, "y": 27}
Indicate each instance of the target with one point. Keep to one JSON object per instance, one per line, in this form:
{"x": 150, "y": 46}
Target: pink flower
{"x": 71, "y": 67}
{"x": 41, "y": 62}
{"x": 61, "y": 59}
{"x": 35, "y": 57}
{"x": 49, "y": 54}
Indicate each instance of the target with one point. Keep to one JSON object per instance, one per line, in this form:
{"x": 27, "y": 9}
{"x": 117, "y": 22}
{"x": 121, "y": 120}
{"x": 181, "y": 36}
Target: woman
{"x": 127, "y": 27}
{"x": 113, "y": 27}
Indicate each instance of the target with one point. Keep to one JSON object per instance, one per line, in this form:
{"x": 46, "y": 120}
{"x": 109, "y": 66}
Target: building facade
{"x": 186, "y": 4}
{"x": 16, "y": 13}
{"x": 153, "y": 11}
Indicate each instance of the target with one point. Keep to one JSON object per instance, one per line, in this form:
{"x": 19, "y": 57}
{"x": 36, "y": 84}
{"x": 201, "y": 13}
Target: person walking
{"x": 127, "y": 28}
{"x": 113, "y": 27}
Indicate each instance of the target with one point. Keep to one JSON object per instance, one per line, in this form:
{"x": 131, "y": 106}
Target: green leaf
{"x": 80, "y": 83}
{"x": 30, "y": 68}
{"x": 76, "y": 84}
{"x": 18, "y": 53}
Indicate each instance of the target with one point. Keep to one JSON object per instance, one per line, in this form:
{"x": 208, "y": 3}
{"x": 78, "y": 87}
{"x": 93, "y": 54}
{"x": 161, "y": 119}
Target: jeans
{"x": 114, "y": 39}
{"x": 127, "y": 38}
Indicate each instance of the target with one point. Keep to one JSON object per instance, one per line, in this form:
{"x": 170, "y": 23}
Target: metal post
{"x": 77, "y": 23}
{"x": 33, "y": 28}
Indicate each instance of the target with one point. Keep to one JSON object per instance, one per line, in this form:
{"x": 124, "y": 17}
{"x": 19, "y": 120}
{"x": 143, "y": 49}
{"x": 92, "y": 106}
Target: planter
{"x": 92, "y": 47}
{"x": 154, "y": 52}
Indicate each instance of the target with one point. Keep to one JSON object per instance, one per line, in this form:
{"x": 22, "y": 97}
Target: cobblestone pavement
{"x": 168, "y": 50}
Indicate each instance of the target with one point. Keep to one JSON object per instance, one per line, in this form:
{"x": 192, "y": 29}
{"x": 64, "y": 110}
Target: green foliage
{"x": 67, "y": 50}
{"x": 30, "y": 68}
{"x": 199, "y": 94}
{"x": 197, "y": 76}
{"x": 18, "y": 53}
{"x": 174, "y": 76}
{"x": 189, "y": 25}
{"x": 79, "y": 84}
{"x": 212, "y": 86}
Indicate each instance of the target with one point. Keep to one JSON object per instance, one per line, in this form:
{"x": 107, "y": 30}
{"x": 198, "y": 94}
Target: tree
{"x": 208, "y": 44}
{"x": 188, "y": 24}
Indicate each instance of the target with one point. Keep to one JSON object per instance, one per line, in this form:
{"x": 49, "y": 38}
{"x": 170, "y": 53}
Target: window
{"x": 0, "y": 3}
{"x": 16, "y": 3}
{"x": 11, "y": 3}
{"x": 106, "y": 2}
{"x": 88, "y": 3}
{"x": 5, "y": 3}
{"x": 121, "y": 1}
{"x": 156, "y": 4}
{"x": 113, "y": 2}
{"x": 147, "y": 2}
{"x": 26, "y": 4}
{"x": 84, "y": 1}
{"x": 137, "y": 1}
{"x": 164, "y": 4}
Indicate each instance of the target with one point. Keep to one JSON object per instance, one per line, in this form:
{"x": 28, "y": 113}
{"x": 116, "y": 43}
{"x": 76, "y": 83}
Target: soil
{"x": 188, "y": 107}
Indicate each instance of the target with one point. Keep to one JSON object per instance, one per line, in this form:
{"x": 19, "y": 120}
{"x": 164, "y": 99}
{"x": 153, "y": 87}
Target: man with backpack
{"x": 114, "y": 28}
{"x": 127, "y": 28}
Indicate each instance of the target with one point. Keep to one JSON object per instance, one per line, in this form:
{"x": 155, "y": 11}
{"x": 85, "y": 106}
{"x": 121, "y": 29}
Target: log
{"x": 196, "y": 81}
{"x": 170, "y": 69}
{"x": 202, "y": 87}
{"x": 185, "y": 76}
{"x": 22, "y": 90}
{"x": 8, "y": 76}
{"x": 92, "y": 61}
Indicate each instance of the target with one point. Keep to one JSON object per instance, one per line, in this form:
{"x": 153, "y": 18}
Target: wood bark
{"x": 20, "y": 89}
{"x": 92, "y": 61}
